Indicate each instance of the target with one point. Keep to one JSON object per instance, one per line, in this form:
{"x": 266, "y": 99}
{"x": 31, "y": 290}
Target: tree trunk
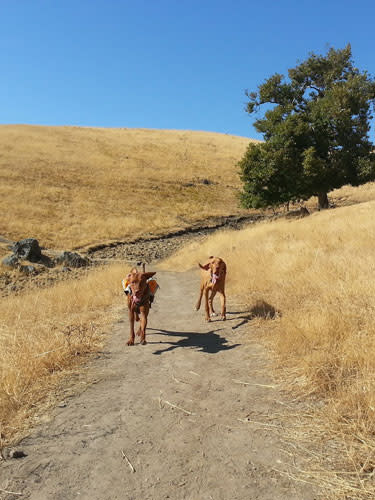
{"x": 322, "y": 201}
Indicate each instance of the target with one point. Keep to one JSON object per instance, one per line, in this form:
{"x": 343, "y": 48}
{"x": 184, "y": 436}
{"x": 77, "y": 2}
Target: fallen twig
{"x": 48, "y": 352}
{"x": 179, "y": 381}
{"x": 177, "y": 407}
{"x": 11, "y": 492}
{"x": 128, "y": 461}
{"x": 251, "y": 383}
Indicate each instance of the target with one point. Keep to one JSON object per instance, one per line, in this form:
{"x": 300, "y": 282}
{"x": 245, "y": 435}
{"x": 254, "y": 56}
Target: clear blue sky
{"x": 171, "y": 64}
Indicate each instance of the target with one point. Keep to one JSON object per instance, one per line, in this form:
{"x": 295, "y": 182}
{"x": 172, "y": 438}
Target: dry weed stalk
{"x": 127, "y": 461}
{"x": 172, "y": 405}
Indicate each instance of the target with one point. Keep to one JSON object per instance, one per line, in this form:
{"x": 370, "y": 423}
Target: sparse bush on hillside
{"x": 316, "y": 132}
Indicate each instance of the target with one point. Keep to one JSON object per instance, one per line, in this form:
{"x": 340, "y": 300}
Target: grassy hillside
{"x": 316, "y": 278}
{"x": 73, "y": 186}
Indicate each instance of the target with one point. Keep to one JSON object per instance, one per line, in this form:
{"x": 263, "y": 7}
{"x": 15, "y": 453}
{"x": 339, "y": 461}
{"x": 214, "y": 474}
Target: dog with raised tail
{"x": 213, "y": 275}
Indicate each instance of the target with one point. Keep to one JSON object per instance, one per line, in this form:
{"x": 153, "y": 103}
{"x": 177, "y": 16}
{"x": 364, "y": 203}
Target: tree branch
{"x": 317, "y": 90}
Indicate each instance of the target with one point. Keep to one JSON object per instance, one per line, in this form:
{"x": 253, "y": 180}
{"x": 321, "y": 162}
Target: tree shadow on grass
{"x": 264, "y": 310}
{"x": 209, "y": 342}
{"x": 261, "y": 309}
{"x": 245, "y": 319}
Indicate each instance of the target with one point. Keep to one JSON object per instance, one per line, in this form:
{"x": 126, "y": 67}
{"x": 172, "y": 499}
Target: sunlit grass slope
{"x": 318, "y": 276}
{"x": 72, "y": 186}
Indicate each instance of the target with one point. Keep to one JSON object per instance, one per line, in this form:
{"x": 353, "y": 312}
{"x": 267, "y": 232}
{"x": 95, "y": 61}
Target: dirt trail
{"x": 173, "y": 408}
{"x": 151, "y": 248}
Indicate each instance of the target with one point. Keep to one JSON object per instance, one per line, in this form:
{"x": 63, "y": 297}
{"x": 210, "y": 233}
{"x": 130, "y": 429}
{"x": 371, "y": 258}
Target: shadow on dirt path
{"x": 209, "y": 342}
{"x": 168, "y": 420}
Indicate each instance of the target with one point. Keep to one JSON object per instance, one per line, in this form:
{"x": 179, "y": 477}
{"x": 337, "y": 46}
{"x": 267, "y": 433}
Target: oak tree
{"x": 316, "y": 126}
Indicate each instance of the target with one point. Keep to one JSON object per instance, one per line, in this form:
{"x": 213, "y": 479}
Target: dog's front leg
{"x": 206, "y": 303}
{"x": 211, "y": 302}
{"x": 223, "y": 302}
{"x": 131, "y": 322}
{"x": 143, "y": 326}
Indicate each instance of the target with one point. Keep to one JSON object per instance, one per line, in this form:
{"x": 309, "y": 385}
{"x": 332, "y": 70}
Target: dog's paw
{"x": 130, "y": 342}
{"x": 213, "y": 314}
{"x": 143, "y": 342}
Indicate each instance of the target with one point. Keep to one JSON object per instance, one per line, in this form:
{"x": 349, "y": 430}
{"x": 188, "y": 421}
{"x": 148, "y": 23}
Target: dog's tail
{"x": 143, "y": 266}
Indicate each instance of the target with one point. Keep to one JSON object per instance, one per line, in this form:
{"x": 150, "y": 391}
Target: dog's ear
{"x": 148, "y": 275}
{"x": 206, "y": 267}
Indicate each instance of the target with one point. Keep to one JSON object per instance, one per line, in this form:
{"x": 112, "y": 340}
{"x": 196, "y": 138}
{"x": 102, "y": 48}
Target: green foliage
{"x": 316, "y": 130}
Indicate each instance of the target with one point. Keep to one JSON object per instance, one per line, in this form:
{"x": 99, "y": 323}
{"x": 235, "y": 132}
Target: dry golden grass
{"x": 74, "y": 186}
{"x": 319, "y": 275}
{"x": 47, "y": 331}
{"x": 349, "y": 195}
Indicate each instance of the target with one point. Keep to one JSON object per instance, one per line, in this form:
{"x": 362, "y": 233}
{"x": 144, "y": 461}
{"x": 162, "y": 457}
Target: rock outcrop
{"x": 10, "y": 261}
{"x": 27, "y": 249}
{"x": 72, "y": 259}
